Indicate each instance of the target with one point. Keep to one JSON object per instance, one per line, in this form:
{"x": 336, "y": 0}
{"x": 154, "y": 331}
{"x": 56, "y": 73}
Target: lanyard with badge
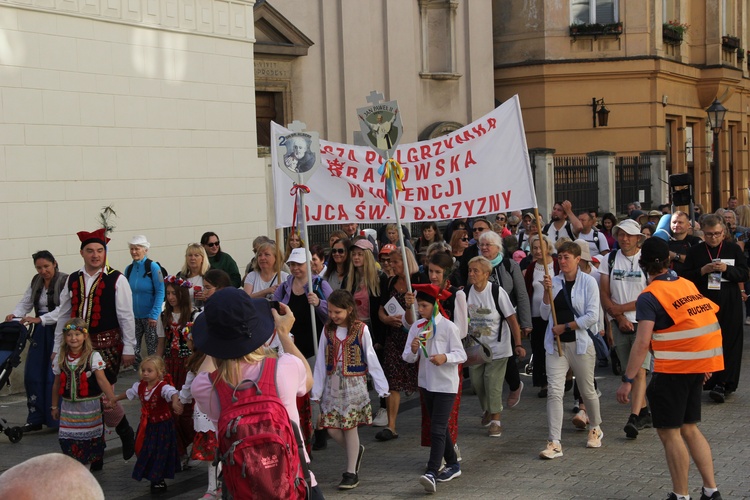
{"x": 714, "y": 279}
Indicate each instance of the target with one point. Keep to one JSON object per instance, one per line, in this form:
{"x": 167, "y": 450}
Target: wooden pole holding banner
{"x": 306, "y": 246}
{"x": 392, "y": 180}
{"x": 543, "y": 244}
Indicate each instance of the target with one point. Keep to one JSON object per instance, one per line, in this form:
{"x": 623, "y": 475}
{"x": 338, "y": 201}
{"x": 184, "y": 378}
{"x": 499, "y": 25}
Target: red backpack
{"x": 259, "y": 446}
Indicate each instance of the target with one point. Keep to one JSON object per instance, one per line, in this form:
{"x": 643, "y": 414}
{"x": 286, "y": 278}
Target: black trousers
{"x": 439, "y": 406}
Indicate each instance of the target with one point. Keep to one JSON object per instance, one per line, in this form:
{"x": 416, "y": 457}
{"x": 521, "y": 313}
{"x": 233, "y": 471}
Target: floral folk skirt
{"x": 345, "y": 403}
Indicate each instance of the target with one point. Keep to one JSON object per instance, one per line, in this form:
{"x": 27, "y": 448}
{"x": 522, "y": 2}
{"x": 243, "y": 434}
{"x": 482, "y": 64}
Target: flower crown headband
{"x": 174, "y": 280}
{"x": 82, "y": 329}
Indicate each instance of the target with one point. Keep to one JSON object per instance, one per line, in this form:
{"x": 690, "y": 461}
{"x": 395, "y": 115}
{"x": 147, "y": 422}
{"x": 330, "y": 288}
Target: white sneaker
{"x": 381, "y": 418}
{"x": 551, "y": 451}
{"x": 595, "y": 438}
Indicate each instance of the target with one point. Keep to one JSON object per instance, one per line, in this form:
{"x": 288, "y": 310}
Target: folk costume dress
{"x": 340, "y": 382}
{"x": 81, "y": 423}
{"x": 204, "y": 443}
{"x": 156, "y": 442}
{"x": 176, "y": 352}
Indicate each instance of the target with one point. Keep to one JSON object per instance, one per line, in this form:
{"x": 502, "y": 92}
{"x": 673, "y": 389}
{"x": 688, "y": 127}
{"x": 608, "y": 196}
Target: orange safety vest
{"x": 693, "y": 343}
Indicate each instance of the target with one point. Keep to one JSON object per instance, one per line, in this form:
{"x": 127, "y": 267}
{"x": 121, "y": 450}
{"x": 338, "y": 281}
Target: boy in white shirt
{"x": 435, "y": 342}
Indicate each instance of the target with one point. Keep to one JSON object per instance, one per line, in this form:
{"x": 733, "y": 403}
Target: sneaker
{"x": 581, "y": 420}
{"x": 631, "y": 428}
{"x": 486, "y": 419}
{"x": 349, "y": 481}
{"x": 718, "y": 394}
{"x": 715, "y": 496}
{"x": 595, "y": 438}
{"x": 645, "y": 421}
{"x": 551, "y": 451}
{"x": 381, "y": 418}
{"x": 359, "y": 459}
{"x": 496, "y": 430}
{"x": 428, "y": 482}
{"x": 515, "y": 396}
{"x": 450, "y": 472}
{"x": 542, "y": 393}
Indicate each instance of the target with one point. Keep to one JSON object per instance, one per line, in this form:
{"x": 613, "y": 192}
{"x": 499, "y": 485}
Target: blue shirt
{"x": 148, "y": 291}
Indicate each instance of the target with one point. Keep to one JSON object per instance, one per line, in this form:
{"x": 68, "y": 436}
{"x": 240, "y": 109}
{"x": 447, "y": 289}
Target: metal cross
{"x": 375, "y": 97}
{"x": 296, "y": 126}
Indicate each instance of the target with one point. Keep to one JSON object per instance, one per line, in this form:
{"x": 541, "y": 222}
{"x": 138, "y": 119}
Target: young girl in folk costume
{"x": 80, "y": 380}
{"x": 345, "y": 356}
{"x": 434, "y": 342}
{"x": 156, "y": 443}
{"x": 204, "y": 444}
{"x": 175, "y": 346}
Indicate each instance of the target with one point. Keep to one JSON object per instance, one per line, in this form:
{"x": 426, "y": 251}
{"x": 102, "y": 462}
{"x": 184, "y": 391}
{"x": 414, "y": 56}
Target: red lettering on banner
{"x": 330, "y": 212}
{"x": 423, "y": 193}
{"x": 495, "y": 203}
{"x": 438, "y": 145}
{"x": 439, "y": 169}
{"x": 351, "y": 172}
{"x": 444, "y": 211}
{"x": 457, "y": 206}
{"x": 412, "y": 155}
{"x": 482, "y": 203}
{"x": 340, "y": 152}
{"x": 312, "y": 216}
{"x": 422, "y": 170}
{"x": 360, "y": 210}
{"x": 479, "y": 130}
{"x": 454, "y": 164}
{"x": 506, "y": 198}
{"x": 327, "y": 149}
{"x": 377, "y": 193}
{"x": 356, "y": 191}
{"x": 369, "y": 173}
{"x": 425, "y": 151}
{"x": 377, "y": 211}
{"x": 335, "y": 167}
{"x": 460, "y": 139}
{"x": 352, "y": 157}
{"x": 448, "y": 143}
{"x": 371, "y": 156}
{"x": 342, "y": 213}
{"x": 491, "y": 123}
{"x": 469, "y": 159}
{"x": 435, "y": 194}
{"x": 469, "y": 206}
{"x": 418, "y": 213}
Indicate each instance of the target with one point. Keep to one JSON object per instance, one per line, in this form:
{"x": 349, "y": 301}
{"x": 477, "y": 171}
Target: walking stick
{"x": 543, "y": 244}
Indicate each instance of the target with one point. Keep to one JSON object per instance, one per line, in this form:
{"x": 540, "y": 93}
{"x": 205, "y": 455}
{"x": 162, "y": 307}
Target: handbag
{"x": 478, "y": 353}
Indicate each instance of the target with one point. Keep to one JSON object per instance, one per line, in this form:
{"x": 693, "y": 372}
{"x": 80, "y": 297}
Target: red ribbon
{"x": 296, "y": 188}
{"x": 141, "y": 430}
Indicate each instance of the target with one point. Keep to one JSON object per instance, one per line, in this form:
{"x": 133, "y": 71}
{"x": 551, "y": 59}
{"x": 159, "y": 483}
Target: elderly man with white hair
{"x": 53, "y": 475}
{"x": 147, "y": 284}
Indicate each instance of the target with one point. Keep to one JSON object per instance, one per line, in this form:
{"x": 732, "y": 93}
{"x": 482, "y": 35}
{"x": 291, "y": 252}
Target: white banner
{"x": 480, "y": 169}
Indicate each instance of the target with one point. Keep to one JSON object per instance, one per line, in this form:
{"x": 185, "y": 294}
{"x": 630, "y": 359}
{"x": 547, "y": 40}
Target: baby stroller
{"x": 13, "y": 337}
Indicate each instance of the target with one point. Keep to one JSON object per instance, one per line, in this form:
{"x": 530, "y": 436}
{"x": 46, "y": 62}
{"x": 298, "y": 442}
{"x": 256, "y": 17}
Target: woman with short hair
{"x": 266, "y": 274}
{"x": 195, "y": 266}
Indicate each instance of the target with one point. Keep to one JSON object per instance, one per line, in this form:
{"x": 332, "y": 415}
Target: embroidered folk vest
{"x": 693, "y": 343}
{"x": 353, "y": 362}
{"x": 79, "y": 383}
{"x": 156, "y": 408}
{"x": 97, "y": 307}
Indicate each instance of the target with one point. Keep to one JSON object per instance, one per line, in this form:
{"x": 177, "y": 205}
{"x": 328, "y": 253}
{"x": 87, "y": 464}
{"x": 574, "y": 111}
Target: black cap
{"x": 654, "y": 250}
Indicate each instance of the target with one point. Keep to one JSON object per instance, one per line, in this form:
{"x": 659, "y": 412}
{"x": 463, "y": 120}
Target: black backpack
{"x": 147, "y": 266}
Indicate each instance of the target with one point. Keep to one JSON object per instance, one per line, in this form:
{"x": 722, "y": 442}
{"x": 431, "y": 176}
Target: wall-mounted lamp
{"x": 602, "y": 113}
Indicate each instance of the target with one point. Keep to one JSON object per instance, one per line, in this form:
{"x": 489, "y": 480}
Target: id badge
{"x": 714, "y": 281}
{"x": 335, "y": 385}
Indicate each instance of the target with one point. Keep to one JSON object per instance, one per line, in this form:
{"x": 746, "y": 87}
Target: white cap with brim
{"x": 298, "y": 256}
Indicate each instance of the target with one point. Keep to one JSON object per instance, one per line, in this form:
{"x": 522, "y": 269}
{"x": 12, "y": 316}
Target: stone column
{"x": 543, "y": 166}
{"x": 659, "y": 178}
{"x": 605, "y": 161}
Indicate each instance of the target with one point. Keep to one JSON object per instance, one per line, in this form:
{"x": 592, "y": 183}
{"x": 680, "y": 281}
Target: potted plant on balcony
{"x": 730, "y": 43}
{"x": 674, "y": 31}
{"x": 595, "y": 29}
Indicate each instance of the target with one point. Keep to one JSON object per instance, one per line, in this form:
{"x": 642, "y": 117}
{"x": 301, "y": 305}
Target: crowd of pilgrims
{"x": 478, "y": 283}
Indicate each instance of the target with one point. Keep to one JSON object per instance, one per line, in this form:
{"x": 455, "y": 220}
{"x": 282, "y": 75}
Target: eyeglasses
{"x": 715, "y": 234}
{"x": 211, "y": 245}
{"x": 464, "y": 239}
{"x": 338, "y": 250}
{"x": 501, "y": 219}
{"x": 479, "y": 229}
{"x": 385, "y": 261}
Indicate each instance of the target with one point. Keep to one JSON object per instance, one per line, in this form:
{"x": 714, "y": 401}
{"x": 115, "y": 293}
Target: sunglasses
{"x": 464, "y": 239}
{"x": 512, "y": 225}
{"x": 212, "y": 244}
{"x": 385, "y": 261}
{"x": 479, "y": 229}
{"x": 501, "y": 219}
{"x": 338, "y": 250}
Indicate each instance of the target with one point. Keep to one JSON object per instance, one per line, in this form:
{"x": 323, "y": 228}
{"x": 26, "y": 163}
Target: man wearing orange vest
{"x": 681, "y": 328}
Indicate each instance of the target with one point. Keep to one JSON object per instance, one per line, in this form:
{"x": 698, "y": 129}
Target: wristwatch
{"x": 568, "y": 328}
{"x": 626, "y": 379}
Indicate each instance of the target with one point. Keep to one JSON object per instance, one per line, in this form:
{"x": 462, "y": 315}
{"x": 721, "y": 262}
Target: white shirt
{"x": 167, "y": 391}
{"x": 123, "y": 309}
{"x": 373, "y": 365}
{"x": 201, "y": 422}
{"x": 484, "y": 320}
{"x": 26, "y": 305}
{"x": 537, "y": 287}
{"x": 97, "y": 363}
{"x": 445, "y": 340}
{"x": 596, "y": 247}
{"x": 626, "y": 281}
{"x": 258, "y": 284}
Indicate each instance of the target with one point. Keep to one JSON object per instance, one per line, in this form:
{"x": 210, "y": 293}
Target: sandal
{"x": 158, "y": 488}
{"x": 386, "y": 435}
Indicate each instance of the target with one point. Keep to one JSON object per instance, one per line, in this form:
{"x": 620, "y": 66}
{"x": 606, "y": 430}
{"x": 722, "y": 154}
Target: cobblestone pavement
{"x": 507, "y": 467}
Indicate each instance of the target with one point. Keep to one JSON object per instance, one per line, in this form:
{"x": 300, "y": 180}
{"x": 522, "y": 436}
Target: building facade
{"x": 655, "y": 65}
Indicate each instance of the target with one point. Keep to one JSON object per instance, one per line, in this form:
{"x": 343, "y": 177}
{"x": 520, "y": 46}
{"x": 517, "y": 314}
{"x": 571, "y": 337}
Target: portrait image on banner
{"x": 381, "y": 126}
{"x": 297, "y": 153}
